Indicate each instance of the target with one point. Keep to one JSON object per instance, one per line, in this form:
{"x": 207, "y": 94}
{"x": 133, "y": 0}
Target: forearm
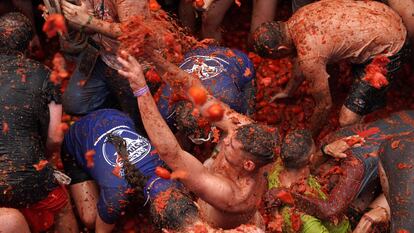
{"x": 112, "y": 30}
{"x": 158, "y": 131}
{"x": 339, "y": 198}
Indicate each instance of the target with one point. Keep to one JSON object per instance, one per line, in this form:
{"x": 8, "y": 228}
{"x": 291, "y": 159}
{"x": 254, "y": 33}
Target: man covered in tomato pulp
{"x": 325, "y": 32}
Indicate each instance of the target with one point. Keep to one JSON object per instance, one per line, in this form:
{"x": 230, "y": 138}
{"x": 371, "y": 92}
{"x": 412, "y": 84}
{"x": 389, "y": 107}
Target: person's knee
{"x": 11, "y": 220}
{"x": 348, "y": 117}
{"x": 88, "y": 218}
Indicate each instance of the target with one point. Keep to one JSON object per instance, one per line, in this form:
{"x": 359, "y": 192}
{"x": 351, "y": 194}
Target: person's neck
{"x": 290, "y": 176}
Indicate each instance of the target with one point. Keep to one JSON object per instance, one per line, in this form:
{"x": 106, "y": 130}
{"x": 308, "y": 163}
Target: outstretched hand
{"x": 338, "y": 148}
{"x": 132, "y": 70}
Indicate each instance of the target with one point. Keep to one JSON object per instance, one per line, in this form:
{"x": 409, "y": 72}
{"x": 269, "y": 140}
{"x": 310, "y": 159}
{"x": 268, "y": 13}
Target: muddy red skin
{"x": 361, "y": 161}
{"x": 323, "y": 36}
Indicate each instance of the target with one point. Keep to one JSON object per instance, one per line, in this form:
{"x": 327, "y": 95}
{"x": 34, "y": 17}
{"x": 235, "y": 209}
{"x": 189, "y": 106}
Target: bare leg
{"x": 86, "y": 195}
{"x": 65, "y": 221}
{"x": 11, "y": 221}
{"x": 213, "y": 17}
{"x": 263, "y": 11}
{"x": 187, "y": 15}
{"x": 103, "y": 227}
{"x": 348, "y": 117}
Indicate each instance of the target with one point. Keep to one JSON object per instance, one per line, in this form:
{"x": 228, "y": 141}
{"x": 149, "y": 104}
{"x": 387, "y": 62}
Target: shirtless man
{"x": 358, "y": 148}
{"x": 326, "y": 32}
{"x": 231, "y": 187}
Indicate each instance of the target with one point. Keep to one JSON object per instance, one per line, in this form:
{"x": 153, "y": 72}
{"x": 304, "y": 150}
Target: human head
{"x": 173, "y": 209}
{"x": 15, "y": 32}
{"x": 272, "y": 40}
{"x": 186, "y": 121}
{"x": 297, "y": 148}
{"x": 251, "y": 147}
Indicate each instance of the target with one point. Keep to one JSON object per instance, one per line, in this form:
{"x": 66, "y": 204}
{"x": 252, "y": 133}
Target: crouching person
{"x": 111, "y": 165}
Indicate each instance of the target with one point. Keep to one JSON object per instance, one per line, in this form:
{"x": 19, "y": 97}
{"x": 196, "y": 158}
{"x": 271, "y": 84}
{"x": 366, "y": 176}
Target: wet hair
{"x": 15, "y": 32}
{"x": 257, "y": 141}
{"x": 186, "y": 122}
{"x": 296, "y": 147}
{"x": 133, "y": 175}
{"x": 267, "y": 38}
{"x": 173, "y": 209}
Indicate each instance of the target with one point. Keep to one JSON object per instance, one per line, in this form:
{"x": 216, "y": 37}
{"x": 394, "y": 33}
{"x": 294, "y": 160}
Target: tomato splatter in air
{"x": 54, "y": 23}
{"x": 215, "y": 112}
{"x": 163, "y": 173}
{"x": 198, "y": 95}
{"x": 153, "y": 5}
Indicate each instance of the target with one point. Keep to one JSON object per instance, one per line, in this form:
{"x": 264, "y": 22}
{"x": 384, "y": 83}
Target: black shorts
{"x": 28, "y": 188}
{"x": 364, "y": 98}
{"x": 72, "y": 168}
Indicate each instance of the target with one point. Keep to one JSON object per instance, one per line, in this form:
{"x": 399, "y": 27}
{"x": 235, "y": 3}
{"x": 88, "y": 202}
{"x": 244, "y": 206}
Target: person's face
{"x": 232, "y": 148}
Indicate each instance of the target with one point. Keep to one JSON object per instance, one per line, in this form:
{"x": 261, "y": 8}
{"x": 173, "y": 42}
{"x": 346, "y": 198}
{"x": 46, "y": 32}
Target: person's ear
{"x": 249, "y": 165}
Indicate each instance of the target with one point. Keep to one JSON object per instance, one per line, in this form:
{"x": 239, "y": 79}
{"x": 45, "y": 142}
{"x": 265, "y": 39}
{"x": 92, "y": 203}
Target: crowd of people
{"x": 121, "y": 116}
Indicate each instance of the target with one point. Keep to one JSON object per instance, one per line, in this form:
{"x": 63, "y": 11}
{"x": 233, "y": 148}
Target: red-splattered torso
{"x": 250, "y": 190}
{"x": 330, "y": 31}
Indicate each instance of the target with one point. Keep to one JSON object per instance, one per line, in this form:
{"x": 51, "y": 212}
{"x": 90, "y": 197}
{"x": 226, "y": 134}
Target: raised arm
{"x": 180, "y": 80}
{"x": 215, "y": 190}
{"x": 82, "y": 16}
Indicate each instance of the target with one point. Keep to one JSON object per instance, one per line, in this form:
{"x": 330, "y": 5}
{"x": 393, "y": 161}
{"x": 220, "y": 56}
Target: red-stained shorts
{"x": 40, "y": 215}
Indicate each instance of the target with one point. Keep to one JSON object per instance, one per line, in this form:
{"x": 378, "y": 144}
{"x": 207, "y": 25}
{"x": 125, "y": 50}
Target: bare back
{"x": 334, "y": 30}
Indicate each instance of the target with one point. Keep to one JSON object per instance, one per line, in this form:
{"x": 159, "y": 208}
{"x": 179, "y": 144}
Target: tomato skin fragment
{"x": 285, "y": 197}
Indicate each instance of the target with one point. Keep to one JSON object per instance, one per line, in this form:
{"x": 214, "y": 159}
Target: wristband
{"x": 141, "y": 91}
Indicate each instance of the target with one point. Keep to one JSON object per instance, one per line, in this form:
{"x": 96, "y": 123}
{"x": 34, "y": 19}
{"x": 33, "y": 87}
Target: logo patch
{"x": 205, "y": 67}
{"x": 137, "y": 146}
